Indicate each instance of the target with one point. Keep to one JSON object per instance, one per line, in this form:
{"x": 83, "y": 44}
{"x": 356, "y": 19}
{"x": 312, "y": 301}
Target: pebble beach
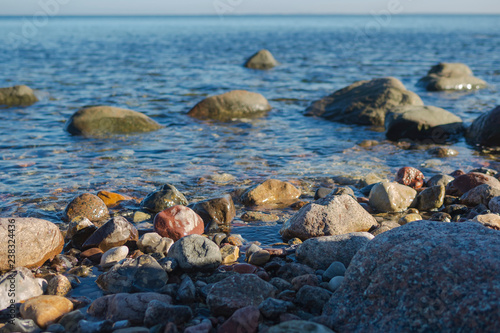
{"x": 253, "y": 174}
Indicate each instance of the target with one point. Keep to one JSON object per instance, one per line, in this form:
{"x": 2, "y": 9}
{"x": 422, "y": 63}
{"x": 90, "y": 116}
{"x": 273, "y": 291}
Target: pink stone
{"x": 243, "y": 320}
{"x": 177, "y": 222}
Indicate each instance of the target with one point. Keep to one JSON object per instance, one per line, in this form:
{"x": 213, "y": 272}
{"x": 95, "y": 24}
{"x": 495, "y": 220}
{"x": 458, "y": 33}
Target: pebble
{"x": 159, "y": 312}
{"x": 257, "y": 216}
{"x": 114, "y": 255}
{"x": 312, "y": 298}
{"x": 153, "y": 242}
{"x": 229, "y": 254}
{"x": 87, "y": 205}
{"x": 111, "y": 198}
{"x": 178, "y": 221}
{"x": 411, "y": 177}
{"x": 59, "y": 285}
{"x": 26, "y": 284}
{"x": 272, "y": 191}
{"x": 431, "y": 198}
{"x": 410, "y": 218}
{"x": 196, "y": 253}
{"x": 163, "y": 198}
{"x": 46, "y": 309}
{"x": 242, "y": 320}
{"x": 336, "y": 268}
{"x": 391, "y": 197}
{"x": 335, "y": 283}
{"x": 116, "y": 232}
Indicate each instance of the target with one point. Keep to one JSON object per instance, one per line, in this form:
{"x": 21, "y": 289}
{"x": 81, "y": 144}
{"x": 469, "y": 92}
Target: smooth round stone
{"x": 431, "y": 198}
{"x": 196, "y": 253}
{"x": 89, "y": 206}
{"x": 20, "y": 326}
{"x": 335, "y": 282}
{"x": 494, "y": 205}
{"x": 78, "y": 223}
{"x": 261, "y": 60}
{"x": 111, "y": 198}
{"x": 20, "y": 95}
{"x": 391, "y": 197}
{"x": 410, "y": 218}
{"x": 59, "y": 285}
{"x": 335, "y": 269}
{"x": 177, "y": 222}
{"x": 259, "y": 258}
{"x": 152, "y": 242}
{"x": 163, "y": 198}
{"x": 45, "y": 310}
{"x": 272, "y": 191}
{"x": 451, "y": 76}
{"x": 114, "y": 255}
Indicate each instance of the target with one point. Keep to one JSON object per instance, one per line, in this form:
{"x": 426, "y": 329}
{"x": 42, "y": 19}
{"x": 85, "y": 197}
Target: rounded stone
{"x": 272, "y": 191}
{"x": 336, "y": 268}
{"x": 163, "y": 198}
{"x": 116, "y": 232}
{"x": 411, "y": 177}
{"x": 100, "y": 121}
{"x": 196, "y": 253}
{"x": 335, "y": 283}
{"x": 484, "y": 129}
{"x": 59, "y": 285}
{"x": 261, "y": 60}
{"x": 451, "y": 76}
{"x": 45, "y": 310}
{"x": 114, "y": 255}
{"x": 177, "y": 222}
{"x": 152, "y": 242}
{"x": 17, "y": 96}
{"x": 299, "y": 326}
{"x": 89, "y": 206}
{"x": 391, "y": 197}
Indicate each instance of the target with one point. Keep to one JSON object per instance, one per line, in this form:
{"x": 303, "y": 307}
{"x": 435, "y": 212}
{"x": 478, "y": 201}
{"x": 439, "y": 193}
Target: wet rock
{"x": 163, "y": 198}
{"x": 114, "y": 255}
{"x": 45, "y": 310}
{"x": 312, "y": 298}
{"x": 159, "y": 313}
{"x": 196, "y": 253}
{"x": 272, "y": 191}
{"x": 439, "y": 180}
{"x": 440, "y": 217}
{"x": 299, "y": 326}
{"x": 291, "y": 270}
{"x": 451, "y": 76}
{"x": 409, "y": 218}
{"x": 89, "y": 206}
{"x": 219, "y": 210}
{"x": 391, "y": 197}
{"x": 484, "y": 130}
{"x": 142, "y": 274}
{"x": 272, "y": 308}
{"x": 36, "y": 241}
{"x": 364, "y": 102}
{"x": 443, "y": 289}
{"x": 261, "y": 60}
{"x": 236, "y": 292}
{"x": 320, "y": 252}
{"x": 422, "y": 123}
{"x": 322, "y": 192}
{"x": 85, "y": 326}
{"x": 335, "y": 283}
{"x": 411, "y": 177}
{"x": 141, "y": 216}
{"x": 152, "y": 242}
{"x": 494, "y": 205}
{"x": 243, "y": 320}
{"x": 431, "y": 198}
{"x": 116, "y": 232}
{"x": 467, "y": 182}
{"x": 488, "y": 220}
{"x": 76, "y": 225}
{"x": 17, "y": 96}
{"x": 178, "y": 221}
{"x": 59, "y": 285}
{"x": 229, "y": 254}
{"x": 336, "y": 268}
{"x": 443, "y": 152}
{"x": 481, "y": 194}
{"x": 257, "y": 216}
{"x": 131, "y": 307}
{"x": 259, "y": 258}
{"x": 26, "y": 286}
{"x": 98, "y": 121}
{"x": 94, "y": 255}
{"x": 233, "y": 104}
{"x": 20, "y": 326}
{"x": 333, "y": 215}
{"x": 186, "y": 294}
{"x": 111, "y": 198}
{"x": 70, "y": 320}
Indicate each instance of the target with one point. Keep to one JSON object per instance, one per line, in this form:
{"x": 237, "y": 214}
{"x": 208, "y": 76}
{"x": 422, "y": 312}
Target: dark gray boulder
{"x": 485, "y": 130}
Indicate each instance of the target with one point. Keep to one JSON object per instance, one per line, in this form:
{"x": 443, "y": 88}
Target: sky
{"x": 241, "y": 7}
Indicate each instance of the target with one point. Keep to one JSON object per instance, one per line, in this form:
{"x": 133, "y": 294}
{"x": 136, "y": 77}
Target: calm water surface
{"x": 163, "y": 66}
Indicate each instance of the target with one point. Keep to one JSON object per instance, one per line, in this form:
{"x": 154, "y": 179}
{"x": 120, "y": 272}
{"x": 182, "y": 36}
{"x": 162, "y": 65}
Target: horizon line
{"x": 254, "y": 14}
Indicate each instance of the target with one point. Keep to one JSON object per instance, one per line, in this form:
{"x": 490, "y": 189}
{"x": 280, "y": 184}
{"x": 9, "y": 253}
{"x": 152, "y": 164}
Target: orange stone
{"x": 111, "y": 198}
{"x": 45, "y": 310}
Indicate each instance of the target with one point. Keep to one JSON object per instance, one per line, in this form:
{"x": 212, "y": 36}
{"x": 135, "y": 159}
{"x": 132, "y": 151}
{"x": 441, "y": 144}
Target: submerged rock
{"x": 233, "y": 104}
{"x": 17, "y": 96}
{"x": 391, "y": 197}
{"x": 178, "y": 221}
{"x": 332, "y": 215}
{"x": 364, "y": 102}
{"x": 36, "y": 241}
{"x": 272, "y": 191}
{"x": 261, "y": 60}
{"x": 163, "y": 198}
{"x": 423, "y": 276}
{"x": 321, "y": 252}
{"x": 236, "y": 292}
{"x": 484, "y": 130}
{"x": 99, "y": 121}
{"x": 422, "y": 123}
{"x": 451, "y": 76}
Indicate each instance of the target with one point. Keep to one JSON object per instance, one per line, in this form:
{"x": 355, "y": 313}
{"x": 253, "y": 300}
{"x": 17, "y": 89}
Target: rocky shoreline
{"x": 396, "y": 255}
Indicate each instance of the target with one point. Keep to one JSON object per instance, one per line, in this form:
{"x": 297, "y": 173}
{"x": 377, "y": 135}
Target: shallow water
{"x": 163, "y": 66}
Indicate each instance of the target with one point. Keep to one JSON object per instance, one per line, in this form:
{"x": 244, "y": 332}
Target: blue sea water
{"x": 163, "y": 66}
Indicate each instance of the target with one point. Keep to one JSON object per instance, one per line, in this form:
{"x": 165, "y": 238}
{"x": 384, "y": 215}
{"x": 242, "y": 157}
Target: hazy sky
{"x": 214, "y": 7}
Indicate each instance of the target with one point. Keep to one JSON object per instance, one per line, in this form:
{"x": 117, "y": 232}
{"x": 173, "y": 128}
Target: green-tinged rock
{"x": 451, "y": 76}
{"x": 17, "y": 96}
{"x": 261, "y": 60}
{"x": 165, "y": 197}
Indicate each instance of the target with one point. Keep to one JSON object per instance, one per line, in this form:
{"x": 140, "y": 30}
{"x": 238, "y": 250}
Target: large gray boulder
{"x": 427, "y": 123}
{"x": 451, "y": 76}
{"x": 233, "y": 104}
{"x": 261, "y": 60}
{"x": 321, "y": 252}
{"x": 422, "y": 277}
{"x": 364, "y": 102}
{"x": 332, "y": 215}
{"x": 17, "y": 96}
{"x": 484, "y": 130}
{"x": 101, "y": 121}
